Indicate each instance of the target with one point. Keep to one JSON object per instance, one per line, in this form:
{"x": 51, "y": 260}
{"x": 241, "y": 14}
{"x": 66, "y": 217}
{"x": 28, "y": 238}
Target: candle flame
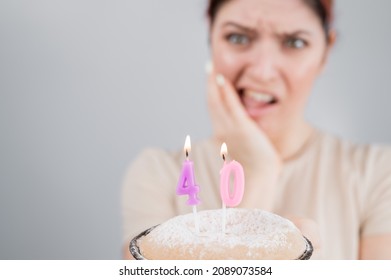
{"x": 187, "y": 146}
{"x": 223, "y": 151}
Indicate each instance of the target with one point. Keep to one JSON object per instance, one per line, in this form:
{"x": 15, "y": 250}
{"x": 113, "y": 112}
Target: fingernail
{"x": 209, "y": 67}
{"x": 220, "y": 80}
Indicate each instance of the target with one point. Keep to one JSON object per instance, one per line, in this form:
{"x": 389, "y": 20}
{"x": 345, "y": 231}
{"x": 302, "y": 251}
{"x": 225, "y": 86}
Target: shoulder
{"x": 153, "y": 154}
{"x": 153, "y": 161}
{"x": 365, "y": 170}
{"x": 198, "y": 149}
{"x": 363, "y": 157}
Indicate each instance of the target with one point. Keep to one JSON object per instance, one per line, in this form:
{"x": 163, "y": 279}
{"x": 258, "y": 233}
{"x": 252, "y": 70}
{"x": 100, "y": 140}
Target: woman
{"x": 266, "y": 55}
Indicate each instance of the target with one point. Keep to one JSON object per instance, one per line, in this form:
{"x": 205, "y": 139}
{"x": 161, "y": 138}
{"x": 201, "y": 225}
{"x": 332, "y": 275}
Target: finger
{"x": 222, "y": 93}
{"x": 219, "y": 113}
{"x": 230, "y": 98}
{"x": 309, "y": 229}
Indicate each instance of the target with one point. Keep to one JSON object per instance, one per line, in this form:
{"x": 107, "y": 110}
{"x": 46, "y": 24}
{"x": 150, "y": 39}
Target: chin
{"x": 268, "y": 126}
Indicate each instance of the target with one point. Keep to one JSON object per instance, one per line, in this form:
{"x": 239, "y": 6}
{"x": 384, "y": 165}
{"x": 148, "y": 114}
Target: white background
{"x": 86, "y": 84}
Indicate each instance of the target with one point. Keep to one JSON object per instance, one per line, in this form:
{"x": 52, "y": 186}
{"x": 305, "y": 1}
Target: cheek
{"x": 301, "y": 77}
{"x": 227, "y": 63}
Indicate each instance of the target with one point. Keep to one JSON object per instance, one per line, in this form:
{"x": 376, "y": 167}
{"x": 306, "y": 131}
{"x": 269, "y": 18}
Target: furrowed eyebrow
{"x": 239, "y": 26}
{"x": 253, "y": 31}
{"x": 296, "y": 33}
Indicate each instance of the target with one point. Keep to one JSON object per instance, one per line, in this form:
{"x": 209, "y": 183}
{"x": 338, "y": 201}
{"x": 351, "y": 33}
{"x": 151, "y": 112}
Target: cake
{"x": 249, "y": 234}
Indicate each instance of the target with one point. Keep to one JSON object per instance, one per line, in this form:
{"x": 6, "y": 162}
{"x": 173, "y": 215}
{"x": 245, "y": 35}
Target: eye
{"x": 238, "y": 39}
{"x": 295, "y": 43}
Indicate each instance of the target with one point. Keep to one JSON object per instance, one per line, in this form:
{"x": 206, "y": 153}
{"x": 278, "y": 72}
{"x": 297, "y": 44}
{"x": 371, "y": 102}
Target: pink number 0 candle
{"x": 227, "y": 198}
{"x": 186, "y": 184}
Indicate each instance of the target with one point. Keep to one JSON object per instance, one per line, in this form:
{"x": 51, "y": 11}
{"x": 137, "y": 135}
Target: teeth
{"x": 259, "y": 96}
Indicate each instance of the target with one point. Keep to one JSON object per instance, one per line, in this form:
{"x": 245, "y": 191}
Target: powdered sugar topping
{"x": 250, "y": 228}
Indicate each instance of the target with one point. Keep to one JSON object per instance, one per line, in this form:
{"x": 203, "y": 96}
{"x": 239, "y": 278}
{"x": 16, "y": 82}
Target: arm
{"x": 147, "y": 200}
{"x": 375, "y": 238}
{"x": 375, "y": 247}
{"x": 246, "y": 142}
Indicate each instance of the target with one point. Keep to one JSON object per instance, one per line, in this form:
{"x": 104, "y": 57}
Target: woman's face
{"x": 272, "y": 51}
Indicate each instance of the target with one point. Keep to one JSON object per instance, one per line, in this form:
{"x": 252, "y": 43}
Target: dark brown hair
{"x": 322, "y": 8}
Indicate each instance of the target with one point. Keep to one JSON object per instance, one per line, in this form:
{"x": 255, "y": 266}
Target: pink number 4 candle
{"x": 186, "y": 184}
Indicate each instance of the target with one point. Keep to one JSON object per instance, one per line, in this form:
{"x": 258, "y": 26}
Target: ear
{"x": 332, "y": 38}
{"x": 210, "y": 27}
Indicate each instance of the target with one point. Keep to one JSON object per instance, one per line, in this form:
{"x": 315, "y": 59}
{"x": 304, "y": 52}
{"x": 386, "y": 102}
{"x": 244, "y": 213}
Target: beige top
{"x": 344, "y": 187}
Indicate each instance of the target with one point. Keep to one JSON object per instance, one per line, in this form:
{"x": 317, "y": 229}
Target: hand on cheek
{"x": 246, "y": 142}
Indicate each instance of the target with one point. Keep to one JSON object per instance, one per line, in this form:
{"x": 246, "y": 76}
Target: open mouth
{"x": 256, "y": 102}
{"x": 259, "y": 98}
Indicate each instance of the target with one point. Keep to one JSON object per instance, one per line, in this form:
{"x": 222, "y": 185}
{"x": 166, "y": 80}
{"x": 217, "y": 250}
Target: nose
{"x": 263, "y": 63}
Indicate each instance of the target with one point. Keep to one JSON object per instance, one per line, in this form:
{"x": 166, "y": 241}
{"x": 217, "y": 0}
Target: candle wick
{"x": 187, "y": 154}
{"x": 224, "y": 157}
